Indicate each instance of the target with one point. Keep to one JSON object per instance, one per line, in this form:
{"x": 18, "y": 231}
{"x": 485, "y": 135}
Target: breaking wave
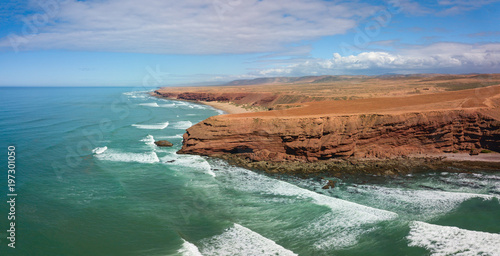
{"x": 159, "y": 126}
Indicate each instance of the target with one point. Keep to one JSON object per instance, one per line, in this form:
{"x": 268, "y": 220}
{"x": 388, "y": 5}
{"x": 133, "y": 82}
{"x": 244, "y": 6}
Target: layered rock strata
{"x": 366, "y": 132}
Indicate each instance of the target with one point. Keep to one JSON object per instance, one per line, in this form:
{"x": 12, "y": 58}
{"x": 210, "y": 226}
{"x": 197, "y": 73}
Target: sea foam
{"x": 172, "y": 105}
{"x": 136, "y": 94}
{"x": 115, "y": 156}
{"x": 159, "y": 126}
{"x": 190, "y": 161}
{"x": 475, "y": 182}
{"x": 239, "y": 240}
{"x": 183, "y": 125}
{"x": 425, "y": 204}
{"x": 443, "y": 240}
{"x": 153, "y": 104}
{"x": 340, "y": 227}
{"x": 99, "y": 150}
{"x": 149, "y": 140}
{"x": 189, "y": 249}
{"x": 264, "y": 184}
{"x": 196, "y": 106}
{"x": 177, "y": 136}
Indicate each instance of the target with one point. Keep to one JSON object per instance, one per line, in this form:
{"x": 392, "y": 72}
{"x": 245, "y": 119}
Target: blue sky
{"x": 162, "y": 43}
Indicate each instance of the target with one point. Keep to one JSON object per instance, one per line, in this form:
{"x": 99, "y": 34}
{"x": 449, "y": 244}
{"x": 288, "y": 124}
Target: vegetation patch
{"x": 452, "y": 86}
{"x": 486, "y": 151}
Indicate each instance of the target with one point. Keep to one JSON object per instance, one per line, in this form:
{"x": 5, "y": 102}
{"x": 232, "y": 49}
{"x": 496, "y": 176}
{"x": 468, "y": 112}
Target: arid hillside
{"x": 282, "y": 93}
{"x": 432, "y": 121}
{"x": 379, "y": 127}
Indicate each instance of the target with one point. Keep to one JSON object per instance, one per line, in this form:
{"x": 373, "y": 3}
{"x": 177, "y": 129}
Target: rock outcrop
{"x": 263, "y": 99}
{"x": 163, "y": 143}
{"x": 310, "y": 139}
{"x": 368, "y": 129}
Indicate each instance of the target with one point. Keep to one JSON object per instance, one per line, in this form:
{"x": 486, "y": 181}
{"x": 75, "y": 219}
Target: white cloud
{"x": 433, "y": 58}
{"x": 189, "y": 27}
{"x": 472, "y": 3}
{"x": 410, "y": 7}
{"x": 454, "y": 7}
{"x": 442, "y": 7}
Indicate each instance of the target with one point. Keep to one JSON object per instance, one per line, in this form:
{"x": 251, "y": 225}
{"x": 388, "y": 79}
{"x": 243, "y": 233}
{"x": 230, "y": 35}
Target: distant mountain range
{"x": 319, "y": 79}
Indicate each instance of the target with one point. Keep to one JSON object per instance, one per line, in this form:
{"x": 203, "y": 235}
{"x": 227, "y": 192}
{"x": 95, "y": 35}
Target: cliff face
{"x": 262, "y": 99}
{"x": 310, "y": 139}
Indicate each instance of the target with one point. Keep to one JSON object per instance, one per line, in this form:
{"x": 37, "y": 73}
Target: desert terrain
{"x": 368, "y": 122}
{"x": 281, "y": 93}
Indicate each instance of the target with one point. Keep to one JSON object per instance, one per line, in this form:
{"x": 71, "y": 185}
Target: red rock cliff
{"x": 360, "y": 136}
{"x": 367, "y": 128}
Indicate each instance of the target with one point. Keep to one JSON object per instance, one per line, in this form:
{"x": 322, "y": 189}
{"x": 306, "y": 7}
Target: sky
{"x": 155, "y": 43}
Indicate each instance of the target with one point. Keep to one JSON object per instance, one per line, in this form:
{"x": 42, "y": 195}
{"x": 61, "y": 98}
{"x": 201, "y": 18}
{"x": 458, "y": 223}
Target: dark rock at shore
{"x": 474, "y": 152}
{"x": 163, "y": 143}
{"x": 330, "y": 184}
{"x": 345, "y": 167}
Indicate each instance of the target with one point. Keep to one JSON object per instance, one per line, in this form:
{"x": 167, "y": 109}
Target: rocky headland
{"x": 380, "y": 135}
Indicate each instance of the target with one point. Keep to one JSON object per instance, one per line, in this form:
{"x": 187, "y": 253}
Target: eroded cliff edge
{"x": 381, "y": 136}
{"x": 369, "y": 138}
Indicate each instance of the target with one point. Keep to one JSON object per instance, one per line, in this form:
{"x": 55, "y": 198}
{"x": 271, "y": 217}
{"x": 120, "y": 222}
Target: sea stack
{"x": 163, "y": 143}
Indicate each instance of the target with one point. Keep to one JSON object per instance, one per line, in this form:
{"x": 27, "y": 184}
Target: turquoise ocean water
{"x": 89, "y": 181}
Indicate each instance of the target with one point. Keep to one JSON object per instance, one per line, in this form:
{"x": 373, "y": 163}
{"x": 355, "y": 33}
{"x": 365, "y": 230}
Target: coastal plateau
{"x": 402, "y": 133}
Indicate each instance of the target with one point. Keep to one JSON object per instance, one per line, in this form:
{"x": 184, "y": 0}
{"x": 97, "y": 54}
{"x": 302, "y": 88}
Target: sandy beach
{"x": 227, "y": 107}
{"x": 483, "y": 157}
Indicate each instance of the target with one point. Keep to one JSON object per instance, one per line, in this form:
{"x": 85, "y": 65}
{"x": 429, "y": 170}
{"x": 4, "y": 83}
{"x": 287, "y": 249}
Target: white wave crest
{"x": 423, "y": 203}
{"x": 443, "y": 240}
{"x": 149, "y": 140}
{"x": 115, "y": 156}
{"x": 183, "y": 125}
{"x": 475, "y": 182}
{"x": 240, "y": 240}
{"x": 177, "y": 136}
{"x": 191, "y": 161}
{"x": 189, "y": 249}
{"x": 136, "y": 94}
{"x": 99, "y": 150}
{"x": 159, "y": 126}
{"x": 153, "y": 104}
{"x": 341, "y": 226}
{"x": 196, "y": 106}
{"x": 172, "y": 105}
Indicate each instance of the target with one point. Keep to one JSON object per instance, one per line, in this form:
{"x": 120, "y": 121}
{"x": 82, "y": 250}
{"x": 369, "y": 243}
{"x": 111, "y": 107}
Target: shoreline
{"x": 297, "y": 141}
{"x": 398, "y": 166}
{"x": 492, "y": 157}
{"x": 226, "y": 107}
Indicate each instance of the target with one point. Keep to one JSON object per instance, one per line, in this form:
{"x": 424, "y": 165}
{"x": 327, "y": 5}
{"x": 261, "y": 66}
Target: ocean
{"x": 90, "y": 181}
